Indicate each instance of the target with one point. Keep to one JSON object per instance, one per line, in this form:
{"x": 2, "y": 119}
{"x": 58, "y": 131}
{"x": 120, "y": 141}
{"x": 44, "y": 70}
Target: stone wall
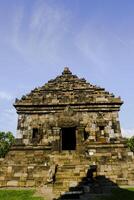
{"x": 28, "y": 166}
{"x": 98, "y": 126}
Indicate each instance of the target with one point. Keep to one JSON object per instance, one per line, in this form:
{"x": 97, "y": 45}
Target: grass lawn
{"x": 18, "y": 195}
{"x": 120, "y": 194}
{"x": 117, "y": 194}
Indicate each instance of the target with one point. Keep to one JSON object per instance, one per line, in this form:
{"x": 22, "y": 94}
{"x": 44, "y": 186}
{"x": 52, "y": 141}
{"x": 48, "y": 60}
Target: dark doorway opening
{"x": 68, "y": 138}
{"x": 35, "y": 133}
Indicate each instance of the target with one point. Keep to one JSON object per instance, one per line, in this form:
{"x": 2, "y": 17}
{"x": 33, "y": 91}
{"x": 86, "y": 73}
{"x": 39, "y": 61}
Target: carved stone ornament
{"x": 68, "y": 118}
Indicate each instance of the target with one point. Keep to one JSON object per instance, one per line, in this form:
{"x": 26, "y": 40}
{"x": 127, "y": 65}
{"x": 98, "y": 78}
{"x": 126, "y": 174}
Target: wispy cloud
{"x": 127, "y": 132}
{"x": 102, "y": 46}
{"x": 5, "y": 96}
{"x": 91, "y": 44}
{"x": 41, "y": 35}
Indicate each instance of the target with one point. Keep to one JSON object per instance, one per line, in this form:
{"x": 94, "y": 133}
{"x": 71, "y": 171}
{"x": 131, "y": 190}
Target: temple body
{"x": 68, "y": 112}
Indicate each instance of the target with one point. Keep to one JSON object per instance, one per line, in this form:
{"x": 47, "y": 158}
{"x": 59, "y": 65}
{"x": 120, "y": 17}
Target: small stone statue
{"x": 52, "y": 173}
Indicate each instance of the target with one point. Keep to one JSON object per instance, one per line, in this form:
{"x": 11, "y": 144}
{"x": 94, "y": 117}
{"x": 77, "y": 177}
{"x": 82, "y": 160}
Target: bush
{"x": 6, "y": 140}
{"x": 130, "y": 143}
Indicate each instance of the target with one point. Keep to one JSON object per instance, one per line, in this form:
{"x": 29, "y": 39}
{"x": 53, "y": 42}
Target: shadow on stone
{"x": 90, "y": 187}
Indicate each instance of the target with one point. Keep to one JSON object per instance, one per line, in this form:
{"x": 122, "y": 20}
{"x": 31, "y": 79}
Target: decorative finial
{"x": 66, "y": 71}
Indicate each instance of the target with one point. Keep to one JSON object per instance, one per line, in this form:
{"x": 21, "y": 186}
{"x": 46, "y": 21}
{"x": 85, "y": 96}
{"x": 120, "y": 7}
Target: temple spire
{"x": 66, "y": 71}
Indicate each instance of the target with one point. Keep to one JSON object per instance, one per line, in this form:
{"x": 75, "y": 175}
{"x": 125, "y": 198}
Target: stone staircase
{"x": 29, "y": 168}
{"x": 70, "y": 177}
{"x": 72, "y": 181}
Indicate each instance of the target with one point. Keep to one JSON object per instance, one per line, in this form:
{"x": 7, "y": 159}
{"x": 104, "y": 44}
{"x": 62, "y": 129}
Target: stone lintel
{"x": 58, "y": 108}
{"x": 119, "y": 103}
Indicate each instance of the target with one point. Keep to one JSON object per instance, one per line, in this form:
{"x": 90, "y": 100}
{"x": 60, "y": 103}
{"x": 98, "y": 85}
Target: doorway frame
{"x": 61, "y": 138}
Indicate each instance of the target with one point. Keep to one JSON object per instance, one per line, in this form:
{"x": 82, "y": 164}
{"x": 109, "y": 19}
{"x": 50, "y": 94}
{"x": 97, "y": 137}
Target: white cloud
{"x": 127, "y": 132}
{"x": 102, "y": 47}
{"x": 5, "y": 96}
{"x": 41, "y": 35}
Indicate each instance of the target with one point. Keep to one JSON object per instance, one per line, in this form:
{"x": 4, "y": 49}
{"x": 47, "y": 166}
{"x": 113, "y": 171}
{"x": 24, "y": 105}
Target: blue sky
{"x": 95, "y": 38}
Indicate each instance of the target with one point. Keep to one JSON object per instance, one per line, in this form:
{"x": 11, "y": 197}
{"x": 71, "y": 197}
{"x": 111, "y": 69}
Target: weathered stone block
{"x": 12, "y": 183}
{"x": 30, "y": 183}
{"x": 9, "y": 169}
{"x": 122, "y": 181}
{"x": 2, "y": 178}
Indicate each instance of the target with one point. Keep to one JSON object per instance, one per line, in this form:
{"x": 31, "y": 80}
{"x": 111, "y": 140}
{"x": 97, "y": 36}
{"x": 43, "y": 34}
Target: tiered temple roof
{"x": 67, "y": 89}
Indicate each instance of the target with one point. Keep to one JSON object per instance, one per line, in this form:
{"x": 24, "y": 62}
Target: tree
{"x": 130, "y": 143}
{"x": 6, "y": 140}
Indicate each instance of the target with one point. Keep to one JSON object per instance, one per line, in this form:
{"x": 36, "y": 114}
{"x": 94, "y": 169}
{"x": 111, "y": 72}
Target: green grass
{"x": 18, "y": 195}
{"x": 117, "y": 194}
{"x": 120, "y": 194}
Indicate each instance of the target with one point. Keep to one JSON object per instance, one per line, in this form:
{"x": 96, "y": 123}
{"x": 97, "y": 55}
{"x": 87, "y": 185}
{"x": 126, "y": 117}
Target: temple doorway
{"x": 68, "y": 138}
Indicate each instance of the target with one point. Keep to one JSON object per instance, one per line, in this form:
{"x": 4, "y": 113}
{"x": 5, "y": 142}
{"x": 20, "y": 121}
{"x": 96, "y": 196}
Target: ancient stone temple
{"x": 65, "y": 127}
{"x": 66, "y": 113}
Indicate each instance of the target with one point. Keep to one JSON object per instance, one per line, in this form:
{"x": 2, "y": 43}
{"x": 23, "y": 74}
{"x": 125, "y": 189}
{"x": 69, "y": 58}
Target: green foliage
{"x": 18, "y": 195}
{"x": 6, "y": 140}
{"x": 130, "y": 143}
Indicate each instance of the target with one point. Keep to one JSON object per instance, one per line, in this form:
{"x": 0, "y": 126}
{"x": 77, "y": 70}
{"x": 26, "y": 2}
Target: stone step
{"x": 72, "y": 176}
{"x": 68, "y": 180}
{"x": 72, "y": 193}
{"x": 74, "y": 165}
{"x": 75, "y": 170}
{"x": 122, "y": 181}
{"x": 71, "y": 171}
{"x": 69, "y": 166}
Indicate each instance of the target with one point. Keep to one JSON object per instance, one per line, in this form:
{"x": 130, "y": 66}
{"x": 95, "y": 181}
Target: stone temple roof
{"x": 67, "y": 89}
